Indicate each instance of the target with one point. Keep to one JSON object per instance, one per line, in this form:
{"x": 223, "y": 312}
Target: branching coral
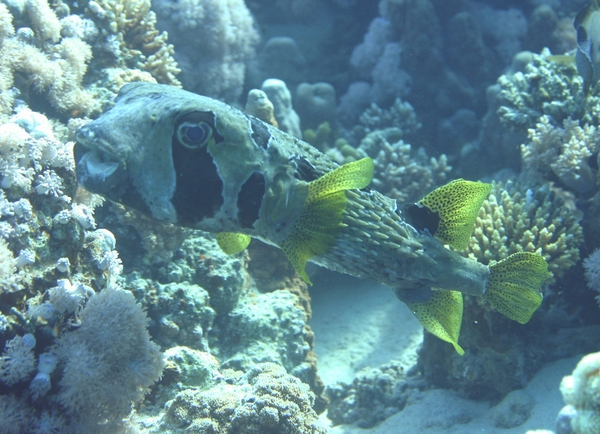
{"x": 564, "y": 151}
{"x": 56, "y": 73}
{"x": 517, "y": 220}
{"x": 51, "y": 56}
{"x": 400, "y": 115}
{"x": 545, "y": 88}
{"x": 400, "y": 172}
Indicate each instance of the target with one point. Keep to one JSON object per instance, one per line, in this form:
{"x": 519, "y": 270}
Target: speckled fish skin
{"x": 127, "y": 155}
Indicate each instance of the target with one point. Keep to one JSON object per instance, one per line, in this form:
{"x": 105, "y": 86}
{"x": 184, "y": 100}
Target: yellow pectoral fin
{"x": 320, "y": 219}
{"x": 441, "y": 316}
{"x": 231, "y": 242}
{"x": 457, "y": 204}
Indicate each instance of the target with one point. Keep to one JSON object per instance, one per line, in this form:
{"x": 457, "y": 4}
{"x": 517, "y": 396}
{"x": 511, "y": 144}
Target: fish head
{"x": 177, "y": 157}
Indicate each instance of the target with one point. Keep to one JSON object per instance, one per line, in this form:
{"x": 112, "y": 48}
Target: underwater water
{"x": 301, "y": 216}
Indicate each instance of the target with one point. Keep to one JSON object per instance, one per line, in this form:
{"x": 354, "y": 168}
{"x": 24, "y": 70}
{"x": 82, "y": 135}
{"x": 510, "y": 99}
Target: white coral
{"x": 68, "y": 297}
{"x": 18, "y": 360}
{"x": 563, "y": 150}
{"x": 8, "y": 265}
{"x": 49, "y": 183}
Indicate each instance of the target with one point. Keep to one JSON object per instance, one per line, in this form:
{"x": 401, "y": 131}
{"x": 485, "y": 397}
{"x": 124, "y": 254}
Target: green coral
{"x": 514, "y": 219}
{"x": 319, "y": 137}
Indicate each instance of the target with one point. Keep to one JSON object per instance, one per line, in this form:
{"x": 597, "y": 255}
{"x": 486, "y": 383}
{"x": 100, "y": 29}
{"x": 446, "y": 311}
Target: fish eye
{"x": 194, "y": 135}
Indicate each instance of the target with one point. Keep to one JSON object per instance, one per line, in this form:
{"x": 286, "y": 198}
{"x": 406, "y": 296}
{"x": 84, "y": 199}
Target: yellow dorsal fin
{"x": 320, "y": 219}
{"x": 457, "y": 204}
{"x": 231, "y": 242}
{"x": 514, "y": 285}
{"x": 441, "y": 316}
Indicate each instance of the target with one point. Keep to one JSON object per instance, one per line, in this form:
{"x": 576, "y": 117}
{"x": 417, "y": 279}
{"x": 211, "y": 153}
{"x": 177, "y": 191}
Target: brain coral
{"x": 514, "y": 219}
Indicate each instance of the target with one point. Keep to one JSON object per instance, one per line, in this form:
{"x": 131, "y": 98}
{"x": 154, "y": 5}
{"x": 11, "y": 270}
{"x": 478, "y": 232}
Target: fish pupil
{"x": 195, "y": 133}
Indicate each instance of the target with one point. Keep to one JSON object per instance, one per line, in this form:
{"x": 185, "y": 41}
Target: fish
{"x": 587, "y": 56}
{"x": 196, "y": 162}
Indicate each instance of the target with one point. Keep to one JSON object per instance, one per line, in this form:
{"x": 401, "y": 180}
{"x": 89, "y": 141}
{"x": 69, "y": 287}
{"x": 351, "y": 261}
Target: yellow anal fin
{"x": 514, "y": 285}
{"x": 231, "y": 242}
{"x": 457, "y": 204}
{"x": 320, "y": 219}
{"x": 441, "y": 316}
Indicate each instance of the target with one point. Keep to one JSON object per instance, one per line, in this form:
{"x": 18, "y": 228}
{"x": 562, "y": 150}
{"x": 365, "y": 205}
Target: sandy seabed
{"x": 359, "y": 325}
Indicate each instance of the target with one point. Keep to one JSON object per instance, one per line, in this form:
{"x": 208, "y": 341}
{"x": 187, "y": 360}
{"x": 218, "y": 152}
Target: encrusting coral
{"x": 515, "y": 219}
{"x": 265, "y": 399}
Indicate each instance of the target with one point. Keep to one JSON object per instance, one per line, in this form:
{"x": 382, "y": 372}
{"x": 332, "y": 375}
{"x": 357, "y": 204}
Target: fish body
{"x": 587, "y": 56}
{"x": 196, "y": 162}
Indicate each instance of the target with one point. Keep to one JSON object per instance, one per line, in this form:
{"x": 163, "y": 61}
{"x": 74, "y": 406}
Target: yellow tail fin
{"x": 231, "y": 242}
{"x": 457, "y": 204}
{"x": 514, "y": 285}
{"x": 441, "y": 316}
{"x": 320, "y": 220}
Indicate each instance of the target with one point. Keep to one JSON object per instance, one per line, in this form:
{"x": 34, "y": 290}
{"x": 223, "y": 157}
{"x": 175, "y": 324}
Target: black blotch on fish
{"x": 260, "y": 132}
{"x": 305, "y": 171}
{"x": 250, "y": 199}
{"x": 198, "y": 186}
{"x": 422, "y": 218}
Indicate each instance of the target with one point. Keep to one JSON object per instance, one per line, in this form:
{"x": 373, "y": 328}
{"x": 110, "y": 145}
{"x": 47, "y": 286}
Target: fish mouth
{"x": 99, "y": 165}
{"x": 98, "y": 170}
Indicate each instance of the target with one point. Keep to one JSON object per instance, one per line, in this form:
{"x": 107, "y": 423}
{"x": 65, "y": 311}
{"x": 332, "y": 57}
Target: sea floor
{"x": 360, "y": 325}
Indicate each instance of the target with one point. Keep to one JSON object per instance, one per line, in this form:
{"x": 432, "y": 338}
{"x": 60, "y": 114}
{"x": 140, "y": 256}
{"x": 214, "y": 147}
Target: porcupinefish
{"x": 587, "y": 56}
{"x": 197, "y": 162}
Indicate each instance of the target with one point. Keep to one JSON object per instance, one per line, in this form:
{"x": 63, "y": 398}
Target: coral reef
{"x": 400, "y": 172}
{"x": 109, "y": 361}
{"x": 543, "y": 88}
{"x": 400, "y": 115}
{"x": 580, "y": 391}
{"x": 374, "y": 395}
{"x": 591, "y": 264}
{"x": 78, "y": 353}
{"x": 214, "y": 61}
{"x": 48, "y": 58}
{"x": 266, "y": 399}
{"x": 315, "y": 103}
{"x": 281, "y": 98}
{"x": 515, "y": 219}
{"x": 563, "y": 152}
{"x": 253, "y": 317}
